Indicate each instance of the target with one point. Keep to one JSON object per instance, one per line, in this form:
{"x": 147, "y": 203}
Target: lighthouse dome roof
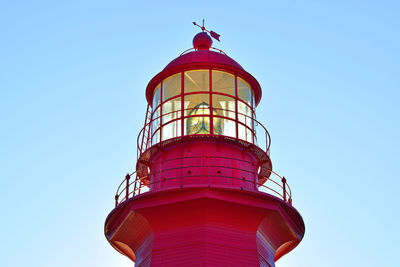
{"x": 208, "y": 57}
{"x": 203, "y": 56}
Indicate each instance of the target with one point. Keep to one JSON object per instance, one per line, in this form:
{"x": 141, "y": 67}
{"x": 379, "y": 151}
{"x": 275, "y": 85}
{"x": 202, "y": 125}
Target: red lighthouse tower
{"x": 203, "y": 193}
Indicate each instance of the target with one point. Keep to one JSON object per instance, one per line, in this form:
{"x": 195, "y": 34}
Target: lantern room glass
{"x": 171, "y": 87}
{"x": 223, "y": 82}
{"x": 197, "y": 81}
{"x": 171, "y": 125}
{"x": 203, "y": 102}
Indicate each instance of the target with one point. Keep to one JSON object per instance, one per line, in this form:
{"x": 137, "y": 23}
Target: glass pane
{"x": 244, "y": 114}
{"x": 156, "y": 138}
{"x": 200, "y": 122}
{"x": 191, "y": 101}
{"x": 224, "y": 105}
{"x": 155, "y": 124}
{"x": 171, "y": 111}
{"x": 171, "y": 129}
{"x": 172, "y": 86}
{"x": 244, "y": 91}
{"x": 218, "y": 125}
{"x": 245, "y": 133}
{"x": 224, "y": 127}
{"x": 254, "y": 107}
{"x": 249, "y": 136}
{"x": 242, "y": 131}
{"x": 197, "y": 80}
{"x": 156, "y": 97}
{"x": 223, "y": 82}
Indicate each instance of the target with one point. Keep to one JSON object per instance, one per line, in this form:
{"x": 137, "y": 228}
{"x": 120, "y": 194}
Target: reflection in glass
{"x": 171, "y": 86}
{"x": 244, "y": 91}
{"x": 156, "y": 137}
{"x": 223, "y": 82}
{"x": 244, "y": 116}
{"x": 155, "y": 125}
{"x": 171, "y": 110}
{"x": 228, "y": 127}
{"x": 156, "y": 97}
{"x": 191, "y": 101}
{"x": 197, "y": 80}
{"x": 241, "y": 131}
{"x": 225, "y": 105}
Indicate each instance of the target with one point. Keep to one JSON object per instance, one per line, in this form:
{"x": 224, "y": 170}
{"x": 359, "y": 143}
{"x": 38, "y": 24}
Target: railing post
{"x": 256, "y": 177}
{"x": 140, "y": 186}
{"x": 135, "y": 186}
{"x": 116, "y": 200}
{"x": 284, "y": 188}
{"x": 127, "y": 177}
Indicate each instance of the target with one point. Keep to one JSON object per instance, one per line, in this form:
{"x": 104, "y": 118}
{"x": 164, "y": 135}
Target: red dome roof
{"x": 203, "y": 56}
{"x": 203, "y": 59}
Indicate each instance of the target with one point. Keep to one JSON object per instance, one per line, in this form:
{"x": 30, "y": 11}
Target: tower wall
{"x": 204, "y": 226}
{"x": 203, "y": 163}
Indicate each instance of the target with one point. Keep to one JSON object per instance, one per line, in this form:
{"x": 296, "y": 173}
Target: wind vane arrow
{"x": 212, "y": 33}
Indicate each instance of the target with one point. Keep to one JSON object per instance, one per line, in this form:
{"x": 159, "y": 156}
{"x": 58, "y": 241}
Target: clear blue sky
{"x": 72, "y": 81}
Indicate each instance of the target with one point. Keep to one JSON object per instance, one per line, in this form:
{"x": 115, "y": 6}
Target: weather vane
{"x": 212, "y": 33}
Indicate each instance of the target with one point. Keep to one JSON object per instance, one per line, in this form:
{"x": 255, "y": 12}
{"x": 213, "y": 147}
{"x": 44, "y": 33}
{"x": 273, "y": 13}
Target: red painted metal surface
{"x": 203, "y": 59}
{"x": 276, "y": 185}
{"x": 202, "y": 41}
{"x": 203, "y": 226}
{"x": 205, "y": 198}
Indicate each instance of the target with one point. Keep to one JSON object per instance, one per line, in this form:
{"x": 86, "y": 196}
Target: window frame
{"x": 183, "y": 118}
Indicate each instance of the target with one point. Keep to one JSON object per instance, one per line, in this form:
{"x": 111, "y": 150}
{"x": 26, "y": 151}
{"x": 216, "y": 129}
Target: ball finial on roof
{"x": 202, "y": 41}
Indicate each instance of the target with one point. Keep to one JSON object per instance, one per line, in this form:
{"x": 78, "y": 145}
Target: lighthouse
{"x": 204, "y": 192}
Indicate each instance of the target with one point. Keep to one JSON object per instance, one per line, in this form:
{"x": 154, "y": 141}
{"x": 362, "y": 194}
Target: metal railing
{"x": 211, "y": 48}
{"x": 246, "y": 122}
{"x": 132, "y": 185}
